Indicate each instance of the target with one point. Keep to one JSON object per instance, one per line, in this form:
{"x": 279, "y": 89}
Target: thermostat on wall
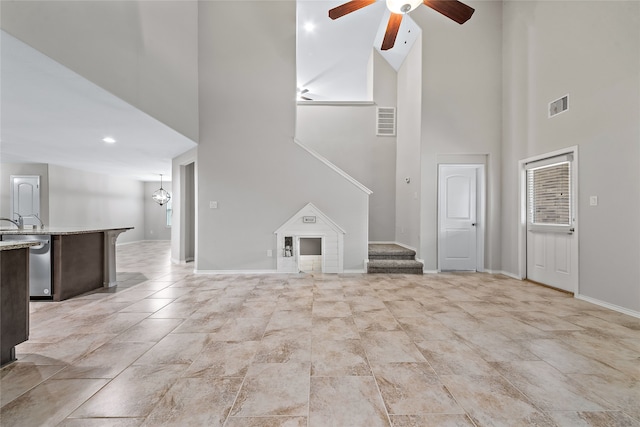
{"x": 308, "y": 219}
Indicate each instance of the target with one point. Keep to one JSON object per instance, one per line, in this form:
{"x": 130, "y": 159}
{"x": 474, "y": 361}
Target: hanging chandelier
{"x": 161, "y": 196}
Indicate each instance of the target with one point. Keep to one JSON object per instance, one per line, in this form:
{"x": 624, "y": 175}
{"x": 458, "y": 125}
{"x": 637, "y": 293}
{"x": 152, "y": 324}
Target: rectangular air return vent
{"x": 559, "y": 106}
{"x": 386, "y": 121}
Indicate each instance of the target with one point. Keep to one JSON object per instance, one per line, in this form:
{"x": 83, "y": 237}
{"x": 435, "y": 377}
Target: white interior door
{"x": 552, "y": 244}
{"x": 457, "y": 201}
{"x": 25, "y": 198}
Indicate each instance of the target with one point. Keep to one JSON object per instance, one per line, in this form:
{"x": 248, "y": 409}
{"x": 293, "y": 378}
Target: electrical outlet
{"x": 213, "y": 205}
{"x": 593, "y": 201}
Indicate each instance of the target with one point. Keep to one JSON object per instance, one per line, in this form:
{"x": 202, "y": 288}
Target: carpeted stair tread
{"x": 390, "y": 251}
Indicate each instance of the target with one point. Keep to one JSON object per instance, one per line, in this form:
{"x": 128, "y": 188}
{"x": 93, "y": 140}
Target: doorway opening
{"x": 184, "y": 236}
{"x": 189, "y": 213}
{"x": 310, "y": 258}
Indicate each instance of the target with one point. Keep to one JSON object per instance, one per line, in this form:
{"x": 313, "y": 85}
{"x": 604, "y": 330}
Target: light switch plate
{"x": 593, "y": 201}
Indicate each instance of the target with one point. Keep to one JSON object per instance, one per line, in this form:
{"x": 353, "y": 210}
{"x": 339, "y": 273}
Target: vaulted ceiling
{"x": 333, "y": 55}
{"x": 51, "y": 114}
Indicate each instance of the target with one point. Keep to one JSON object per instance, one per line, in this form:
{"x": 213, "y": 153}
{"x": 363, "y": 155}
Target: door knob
{"x": 473, "y": 224}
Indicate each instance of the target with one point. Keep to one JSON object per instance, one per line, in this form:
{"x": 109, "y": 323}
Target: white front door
{"x": 25, "y": 198}
{"x": 552, "y": 244}
{"x": 457, "y": 218}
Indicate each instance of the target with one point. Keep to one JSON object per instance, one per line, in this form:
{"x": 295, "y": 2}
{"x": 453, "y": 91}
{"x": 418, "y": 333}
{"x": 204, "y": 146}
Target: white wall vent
{"x": 386, "y": 121}
{"x": 558, "y": 106}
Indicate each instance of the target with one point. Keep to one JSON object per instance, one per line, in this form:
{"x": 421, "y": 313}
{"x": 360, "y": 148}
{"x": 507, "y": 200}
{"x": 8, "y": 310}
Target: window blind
{"x": 549, "y": 193}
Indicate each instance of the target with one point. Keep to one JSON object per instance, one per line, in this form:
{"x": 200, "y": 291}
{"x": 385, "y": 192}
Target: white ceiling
{"x": 332, "y": 58}
{"x": 50, "y": 114}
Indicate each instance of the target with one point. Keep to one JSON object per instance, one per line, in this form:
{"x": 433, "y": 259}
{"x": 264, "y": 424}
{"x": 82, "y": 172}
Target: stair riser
{"x": 395, "y": 271}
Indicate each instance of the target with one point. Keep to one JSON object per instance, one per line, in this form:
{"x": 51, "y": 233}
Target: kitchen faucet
{"x": 38, "y": 218}
{"x": 18, "y": 224}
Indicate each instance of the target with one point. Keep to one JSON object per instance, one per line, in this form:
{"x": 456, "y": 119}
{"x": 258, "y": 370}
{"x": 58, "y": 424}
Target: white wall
{"x": 461, "y": 112}
{"x": 144, "y": 52}
{"x": 408, "y": 161}
{"x": 85, "y": 199}
{"x": 73, "y": 198}
{"x": 591, "y": 51}
{"x": 247, "y": 160}
{"x": 155, "y": 216}
{"x": 346, "y": 135}
{"x": 8, "y": 169}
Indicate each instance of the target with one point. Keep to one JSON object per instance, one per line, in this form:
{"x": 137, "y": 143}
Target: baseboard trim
{"x": 504, "y": 273}
{"x": 141, "y": 241}
{"x": 128, "y": 243}
{"x": 243, "y": 272}
{"x": 610, "y": 306}
{"x": 424, "y": 270}
{"x": 256, "y": 272}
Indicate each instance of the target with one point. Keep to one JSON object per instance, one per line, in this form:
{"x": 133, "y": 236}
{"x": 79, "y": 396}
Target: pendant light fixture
{"x": 161, "y": 196}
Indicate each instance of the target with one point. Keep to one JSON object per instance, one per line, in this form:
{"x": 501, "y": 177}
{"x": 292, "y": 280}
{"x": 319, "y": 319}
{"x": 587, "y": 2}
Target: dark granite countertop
{"x": 59, "y": 231}
{"x": 7, "y": 246}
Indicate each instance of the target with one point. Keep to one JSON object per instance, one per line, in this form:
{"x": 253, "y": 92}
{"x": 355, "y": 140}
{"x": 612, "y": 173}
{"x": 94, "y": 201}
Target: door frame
{"x": 182, "y": 206}
{"x": 480, "y": 210}
{"x": 522, "y": 211}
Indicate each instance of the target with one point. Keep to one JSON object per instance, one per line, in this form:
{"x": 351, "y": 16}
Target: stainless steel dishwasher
{"x": 39, "y": 263}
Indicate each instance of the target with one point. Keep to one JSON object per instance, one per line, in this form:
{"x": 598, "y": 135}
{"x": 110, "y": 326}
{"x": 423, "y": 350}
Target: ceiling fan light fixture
{"x": 402, "y": 6}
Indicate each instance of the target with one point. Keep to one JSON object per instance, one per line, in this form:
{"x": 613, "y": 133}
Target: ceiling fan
{"x": 302, "y": 95}
{"x": 452, "y": 9}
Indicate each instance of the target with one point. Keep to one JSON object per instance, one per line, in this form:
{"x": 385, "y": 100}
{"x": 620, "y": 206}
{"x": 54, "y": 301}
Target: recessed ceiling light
{"x": 309, "y": 27}
{"x": 108, "y": 140}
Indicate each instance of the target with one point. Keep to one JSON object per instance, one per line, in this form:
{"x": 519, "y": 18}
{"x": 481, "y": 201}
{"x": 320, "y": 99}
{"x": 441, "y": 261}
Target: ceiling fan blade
{"x": 348, "y": 7}
{"x": 392, "y": 31}
{"x": 452, "y": 9}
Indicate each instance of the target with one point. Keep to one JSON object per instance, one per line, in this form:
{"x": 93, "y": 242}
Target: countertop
{"x": 60, "y": 231}
{"x": 7, "y": 246}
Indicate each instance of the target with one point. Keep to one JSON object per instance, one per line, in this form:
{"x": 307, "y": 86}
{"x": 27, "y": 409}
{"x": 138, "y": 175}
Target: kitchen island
{"x": 82, "y": 259}
{"x": 14, "y": 297}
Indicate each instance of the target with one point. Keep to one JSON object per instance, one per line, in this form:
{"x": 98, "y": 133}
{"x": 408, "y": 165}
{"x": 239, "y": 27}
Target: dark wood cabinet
{"x": 14, "y": 301}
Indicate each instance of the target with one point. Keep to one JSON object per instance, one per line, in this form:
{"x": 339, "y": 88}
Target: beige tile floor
{"x": 170, "y": 348}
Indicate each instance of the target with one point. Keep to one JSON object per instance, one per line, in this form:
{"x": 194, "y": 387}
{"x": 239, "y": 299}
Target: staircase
{"x": 392, "y": 259}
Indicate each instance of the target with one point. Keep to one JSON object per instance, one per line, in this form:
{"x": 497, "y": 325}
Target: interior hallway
{"x": 168, "y": 347}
